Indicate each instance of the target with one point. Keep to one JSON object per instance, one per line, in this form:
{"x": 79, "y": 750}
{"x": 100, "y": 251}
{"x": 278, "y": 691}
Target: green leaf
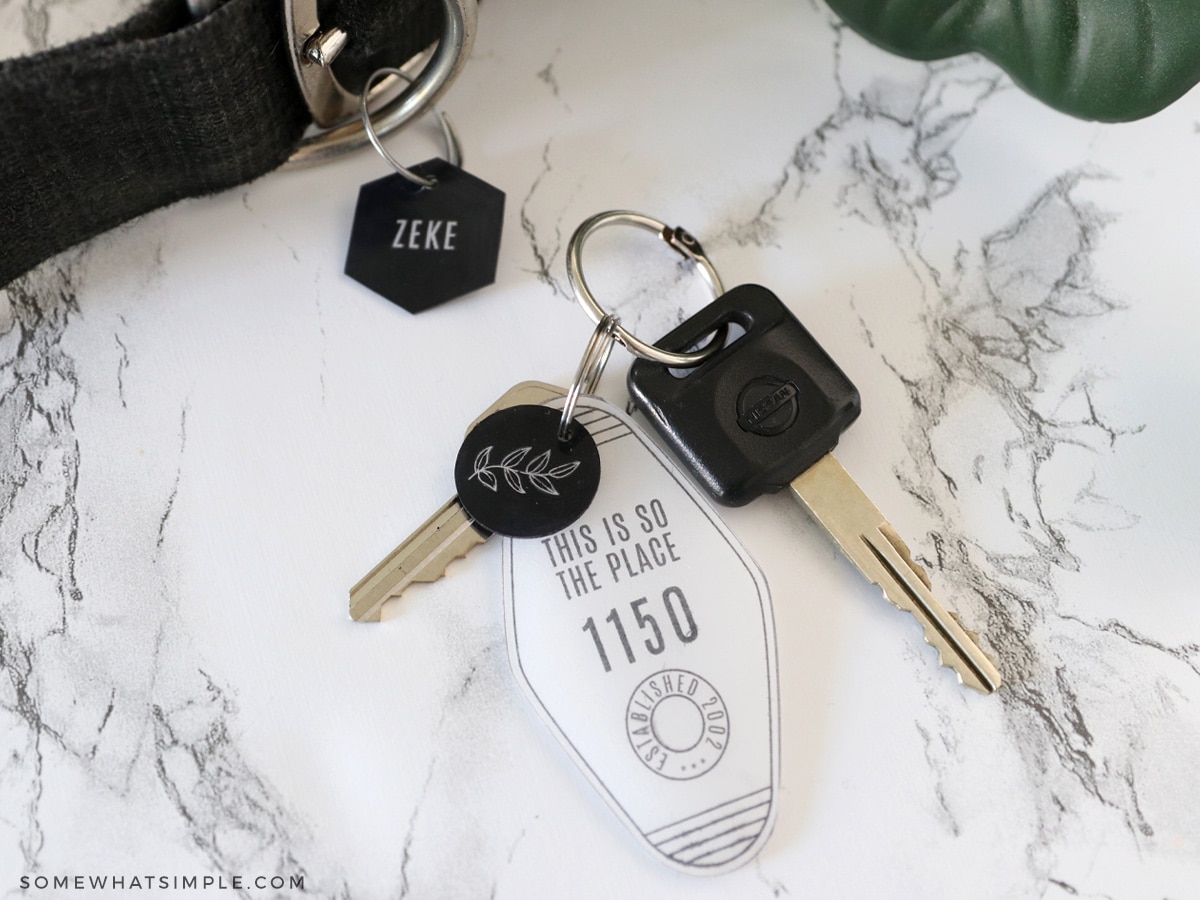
{"x": 1110, "y": 60}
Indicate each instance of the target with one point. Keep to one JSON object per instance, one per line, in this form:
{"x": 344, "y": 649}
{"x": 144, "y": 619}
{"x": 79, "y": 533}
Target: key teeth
{"x": 983, "y": 686}
{"x": 897, "y": 542}
{"x": 891, "y": 600}
{"x": 941, "y": 651}
{"x": 945, "y": 659}
{"x": 974, "y": 636}
{"x": 440, "y": 564}
{"x": 946, "y": 656}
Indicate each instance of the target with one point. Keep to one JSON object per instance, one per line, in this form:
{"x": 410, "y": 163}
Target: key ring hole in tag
{"x": 453, "y": 147}
{"x": 680, "y": 241}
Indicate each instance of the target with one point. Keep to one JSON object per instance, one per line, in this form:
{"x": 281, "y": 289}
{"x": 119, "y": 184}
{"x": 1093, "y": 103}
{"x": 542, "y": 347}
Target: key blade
{"x": 957, "y": 647}
{"x": 531, "y": 392}
{"x": 869, "y": 541}
{"x": 447, "y": 535}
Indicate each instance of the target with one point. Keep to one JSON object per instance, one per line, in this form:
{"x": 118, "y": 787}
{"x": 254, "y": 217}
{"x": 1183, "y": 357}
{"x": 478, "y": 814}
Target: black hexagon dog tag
{"x": 418, "y": 246}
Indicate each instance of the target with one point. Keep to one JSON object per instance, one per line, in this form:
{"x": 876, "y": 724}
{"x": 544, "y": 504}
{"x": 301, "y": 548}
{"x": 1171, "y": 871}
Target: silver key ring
{"x": 453, "y": 148}
{"x": 587, "y": 376}
{"x": 684, "y": 244}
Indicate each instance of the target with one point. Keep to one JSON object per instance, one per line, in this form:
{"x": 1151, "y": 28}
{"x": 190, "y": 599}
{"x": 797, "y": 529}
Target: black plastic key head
{"x": 758, "y": 412}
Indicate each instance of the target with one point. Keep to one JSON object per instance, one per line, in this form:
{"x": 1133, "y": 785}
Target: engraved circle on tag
{"x": 516, "y": 478}
{"x": 419, "y": 247}
{"x": 677, "y": 724}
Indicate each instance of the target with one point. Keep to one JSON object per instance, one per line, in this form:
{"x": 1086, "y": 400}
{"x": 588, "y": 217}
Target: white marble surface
{"x": 209, "y": 434}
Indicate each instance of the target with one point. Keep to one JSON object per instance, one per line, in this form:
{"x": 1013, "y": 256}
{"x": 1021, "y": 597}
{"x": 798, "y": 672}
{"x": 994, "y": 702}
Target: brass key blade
{"x": 870, "y": 542}
{"x": 447, "y": 535}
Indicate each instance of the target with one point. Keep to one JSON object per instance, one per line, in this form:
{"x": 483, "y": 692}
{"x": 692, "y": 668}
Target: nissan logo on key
{"x": 767, "y": 406}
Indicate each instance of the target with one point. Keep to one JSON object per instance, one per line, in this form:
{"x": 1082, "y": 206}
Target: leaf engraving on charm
{"x": 541, "y": 478}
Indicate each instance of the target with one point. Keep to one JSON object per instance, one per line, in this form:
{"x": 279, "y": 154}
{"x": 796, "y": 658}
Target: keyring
{"x": 313, "y": 49}
{"x": 684, "y": 244}
{"x": 453, "y": 148}
{"x": 587, "y": 376}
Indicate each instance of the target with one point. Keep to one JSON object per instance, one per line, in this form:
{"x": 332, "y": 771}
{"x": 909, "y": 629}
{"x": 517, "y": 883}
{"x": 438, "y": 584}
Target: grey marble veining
{"x": 101, "y": 683}
{"x": 1000, "y": 316}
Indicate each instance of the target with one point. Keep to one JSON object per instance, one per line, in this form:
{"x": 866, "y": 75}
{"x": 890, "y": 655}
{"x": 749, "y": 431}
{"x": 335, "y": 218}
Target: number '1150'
{"x": 678, "y": 611}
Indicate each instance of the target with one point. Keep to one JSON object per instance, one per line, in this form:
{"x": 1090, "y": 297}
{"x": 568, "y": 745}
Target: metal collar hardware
{"x": 339, "y": 128}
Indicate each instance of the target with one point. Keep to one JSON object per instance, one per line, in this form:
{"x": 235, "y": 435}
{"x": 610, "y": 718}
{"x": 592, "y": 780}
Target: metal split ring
{"x": 453, "y": 148}
{"x": 684, "y": 244}
{"x": 587, "y": 376}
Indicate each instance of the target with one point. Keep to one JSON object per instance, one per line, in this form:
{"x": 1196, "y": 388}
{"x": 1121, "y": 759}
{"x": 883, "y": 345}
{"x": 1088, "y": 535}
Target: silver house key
{"x": 447, "y": 535}
{"x": 451, "y": 532}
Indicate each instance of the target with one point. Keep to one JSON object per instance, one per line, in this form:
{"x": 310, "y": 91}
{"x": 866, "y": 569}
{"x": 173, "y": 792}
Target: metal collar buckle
{"x": 312, "y": 50}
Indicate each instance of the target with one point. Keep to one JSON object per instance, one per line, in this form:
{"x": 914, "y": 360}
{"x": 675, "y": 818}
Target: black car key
{"x": 764, "y": 413}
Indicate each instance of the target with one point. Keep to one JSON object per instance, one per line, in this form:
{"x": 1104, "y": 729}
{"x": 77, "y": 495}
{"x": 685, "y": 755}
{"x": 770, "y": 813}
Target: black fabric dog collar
{"x": 165, "y": 106}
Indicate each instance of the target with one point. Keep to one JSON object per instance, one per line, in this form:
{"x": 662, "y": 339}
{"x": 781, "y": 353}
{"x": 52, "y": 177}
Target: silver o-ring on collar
{"x": 682, "y": 242}
{"x": 453, "y": 148}
{"x": 312, "y": 51}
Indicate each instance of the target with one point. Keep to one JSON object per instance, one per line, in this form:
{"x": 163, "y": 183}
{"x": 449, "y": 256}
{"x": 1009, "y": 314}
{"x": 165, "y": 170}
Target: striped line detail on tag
{"x": 717, "y": 835}
{"x": 601, "y": 426}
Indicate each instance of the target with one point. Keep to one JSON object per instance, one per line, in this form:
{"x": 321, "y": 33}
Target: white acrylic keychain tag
{"x": 644, "y": 636}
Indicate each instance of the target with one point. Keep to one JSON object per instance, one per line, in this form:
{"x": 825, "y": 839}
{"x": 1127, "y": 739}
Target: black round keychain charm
{"x": 517, "y": 478}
